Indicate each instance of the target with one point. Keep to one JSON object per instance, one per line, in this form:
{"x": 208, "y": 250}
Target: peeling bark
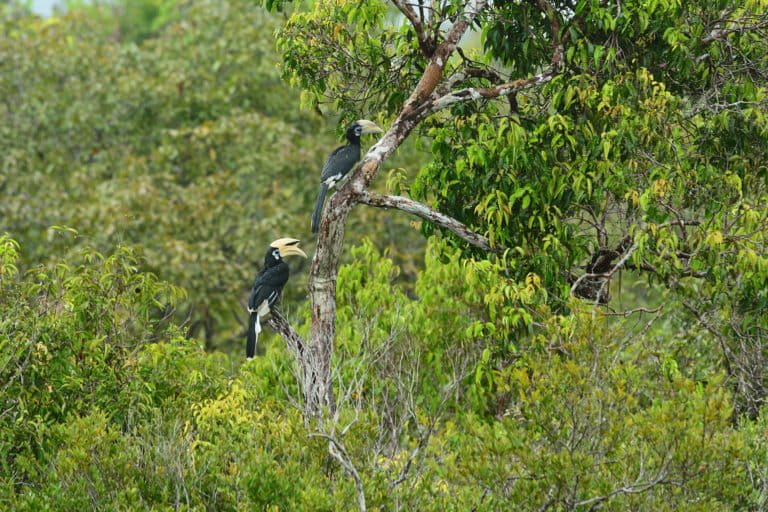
{"x": 434, "y": 72}
{"x": 322, "y": 294}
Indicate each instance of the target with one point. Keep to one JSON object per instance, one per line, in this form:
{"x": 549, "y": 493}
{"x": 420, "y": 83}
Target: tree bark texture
{"x": 425, "y": 212}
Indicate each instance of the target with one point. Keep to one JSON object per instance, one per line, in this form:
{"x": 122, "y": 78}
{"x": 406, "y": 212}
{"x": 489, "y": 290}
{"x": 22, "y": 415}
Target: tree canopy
{"x": 188, "y": 144}
{"x": 579, "y": 324}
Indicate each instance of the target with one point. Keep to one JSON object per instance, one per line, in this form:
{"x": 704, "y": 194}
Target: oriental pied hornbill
{"x": 340, "y": 162}
{"x": 268, "y": 285}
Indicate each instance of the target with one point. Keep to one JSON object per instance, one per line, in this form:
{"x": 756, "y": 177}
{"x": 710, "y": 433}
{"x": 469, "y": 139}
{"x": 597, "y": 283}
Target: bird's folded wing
{"x": 267, "y": 287}
{"x": 340, "y": 162}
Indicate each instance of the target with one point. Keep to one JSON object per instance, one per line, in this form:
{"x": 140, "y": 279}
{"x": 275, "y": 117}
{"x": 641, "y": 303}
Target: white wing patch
{"x": 257, "y": 327}
{"x": 333, "y": 180}
{"x": 262, "y": 309}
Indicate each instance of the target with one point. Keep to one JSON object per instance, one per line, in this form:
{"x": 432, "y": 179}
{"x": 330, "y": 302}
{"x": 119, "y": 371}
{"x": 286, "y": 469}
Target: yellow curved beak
{"x": 369, "y": 126}
{"x": 288, "y": 247}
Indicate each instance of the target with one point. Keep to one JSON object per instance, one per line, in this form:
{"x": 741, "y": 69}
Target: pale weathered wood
{"x": 423, "y": 101}
{"x": 425, "y": 212}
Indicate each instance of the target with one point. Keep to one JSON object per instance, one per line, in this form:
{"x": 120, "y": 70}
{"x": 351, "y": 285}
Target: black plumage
{"x": 339, "y": 163}
{"x": 269, "y": 282}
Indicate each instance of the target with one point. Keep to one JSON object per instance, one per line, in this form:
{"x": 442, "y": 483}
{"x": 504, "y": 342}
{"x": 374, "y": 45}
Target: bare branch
{"x": 414, "y": 453}
{"x": 647, "y": 267}
{"x": 505, "y": 89}
{"x": 425, "y": 212}
{"x": 309, "y": 365}
{"x": 337, "y": 451}
{"x": 633, "y": 311}
{"x": 727, "y": 356}
{"x": 434, "y": 72}
{"x": 446, "y": 99}
{"x": 426, "y": 43}
{"x": 293, "y": 340}
{"x": 634, "y": 488}
{"x": 471, "y": 70}
{"x": 736, "y": 26}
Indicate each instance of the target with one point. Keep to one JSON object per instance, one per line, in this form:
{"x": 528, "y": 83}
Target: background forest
{"x": 598, "y": 342}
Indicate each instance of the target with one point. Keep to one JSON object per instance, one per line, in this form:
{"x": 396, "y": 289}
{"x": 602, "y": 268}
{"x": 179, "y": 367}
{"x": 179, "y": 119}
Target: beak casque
{"x": 369, "y": 126}
{"x": 288, "y": 247}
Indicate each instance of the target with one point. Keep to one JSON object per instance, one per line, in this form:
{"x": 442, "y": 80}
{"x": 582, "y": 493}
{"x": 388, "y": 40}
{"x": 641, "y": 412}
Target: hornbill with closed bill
{"x": 267, "y": 287}
{"x": 340, "y": 162}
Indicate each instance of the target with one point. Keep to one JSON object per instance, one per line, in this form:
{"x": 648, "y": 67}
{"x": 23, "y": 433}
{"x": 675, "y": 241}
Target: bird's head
{"x": 283, "y": 247}
{"x": 362, "y": 127}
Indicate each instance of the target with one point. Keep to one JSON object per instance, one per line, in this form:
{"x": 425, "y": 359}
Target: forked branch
{"x": 434, "y": 72}
{"x": 426, "y": 43}
{"x": 337, "y": 451}
{"x": 505, "y": 89}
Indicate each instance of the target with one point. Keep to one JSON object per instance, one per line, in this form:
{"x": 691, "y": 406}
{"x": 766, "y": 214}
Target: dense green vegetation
{"x": 609, "y": 353}
{"x": 188, "y": 145}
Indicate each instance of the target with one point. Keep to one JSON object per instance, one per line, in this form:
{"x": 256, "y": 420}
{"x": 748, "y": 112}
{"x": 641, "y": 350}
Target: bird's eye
{"x": 358, "y": 130}
{"x": 276, "y": 254}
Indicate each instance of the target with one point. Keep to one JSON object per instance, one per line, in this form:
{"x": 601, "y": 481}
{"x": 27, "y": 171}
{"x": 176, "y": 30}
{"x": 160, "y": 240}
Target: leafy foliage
{"x": 188, "y": 144}
{"x": 527, "y": 378}
{"x": 643, "y": 154}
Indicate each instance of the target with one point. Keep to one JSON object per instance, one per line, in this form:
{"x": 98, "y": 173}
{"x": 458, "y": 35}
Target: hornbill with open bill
{"x": 268, "y": 285}
{"x": 340, "y": 162}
